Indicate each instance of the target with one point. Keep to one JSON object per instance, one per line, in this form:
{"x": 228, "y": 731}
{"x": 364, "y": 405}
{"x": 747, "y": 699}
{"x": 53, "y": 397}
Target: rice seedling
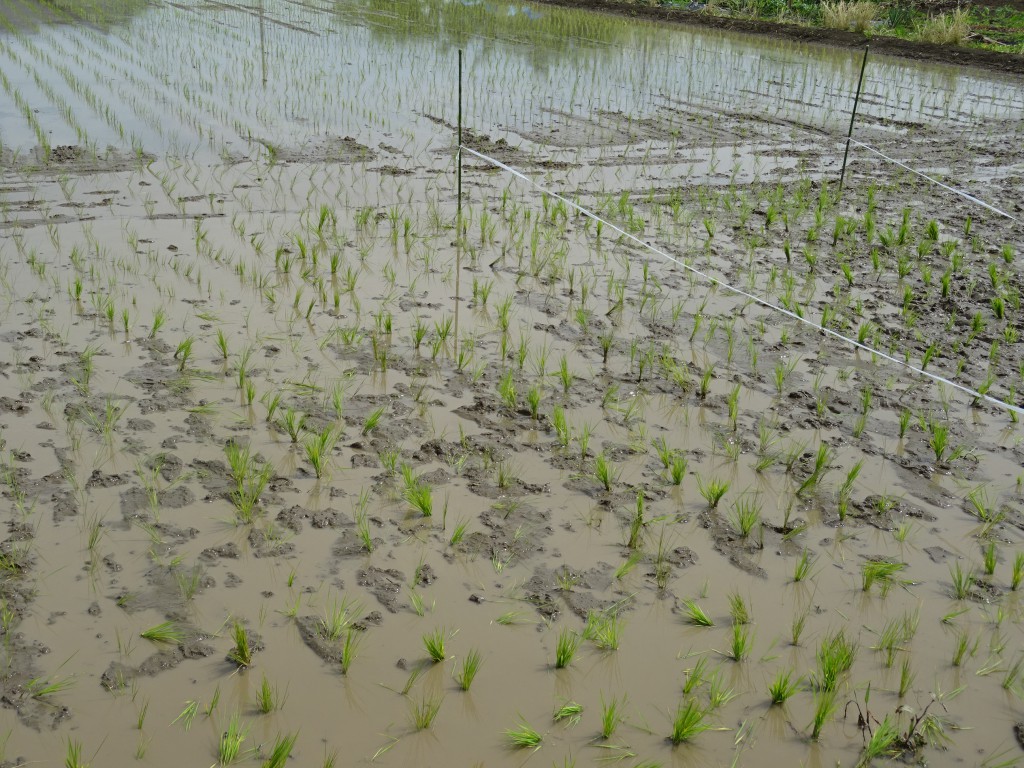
{"x": 420, "y": 497}
{"x": 713, "y": 491}
{"x": 241, "y": 651}
{"x": 338, "y": 617}
{"x": 318, "y": 449}
{"x": 963, "y": 581}
{"x": 611, "y": 715}
{"x": 570, "y": 712}
{"x": 783, "y": 686}
{"x": 836, "y": 655}
{"x": 1018, "y": 571}
{"x": 688, "y": 722}
{"x": 425, "y": 711}
{"x": 821, "y": 461}
{"x": 603, "y": 629}
{"x": 906, "y": 677}
{"x": 825, "y": 704}
{"x": 434, "y": 642}
{"x": 990, "y": 556}
{"x": 882, "y": 742}
{"x": 696, "y": 614}
{"x": 372, "y": 419}
{"x": 695, "y": 676}
{"x": 73, "y": 755}
{"x": 231, "y": 739}
{"x": 605, "y": 472}
{"x": 565, "y": 647}
{"x": 523, "y": 736}
{"x": 803, "y": 566}
{"x": 188, "y": 714}
{"x": 164, "y": 632}
{"x": 266, "y": 697}
{"x": 458, "y": 533}
{"x": 293, "y": 423}
{"x": 745, "y": 515}
{"x": 738, "y": 609}
{"x": 283, "y": 746}
{"x": 467, "y": 672}
{"x": 677, "y": 471}
{"x": 963, "y": 642}
{"x": 741, "y": 642}
{"x": 881, "y": 572}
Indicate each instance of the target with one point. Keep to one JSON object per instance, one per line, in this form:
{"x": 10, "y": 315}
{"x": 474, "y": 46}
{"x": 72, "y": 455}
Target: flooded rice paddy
{"x": 297, "y": 459}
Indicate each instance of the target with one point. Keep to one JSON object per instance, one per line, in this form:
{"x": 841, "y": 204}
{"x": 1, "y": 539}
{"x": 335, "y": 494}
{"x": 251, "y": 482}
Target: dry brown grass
{"x": 857, "y": 15}
{"x": 946, "y": 28}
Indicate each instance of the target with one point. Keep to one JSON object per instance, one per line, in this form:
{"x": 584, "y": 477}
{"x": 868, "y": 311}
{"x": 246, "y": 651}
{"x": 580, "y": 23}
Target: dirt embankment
{"x": 892, "y": 46}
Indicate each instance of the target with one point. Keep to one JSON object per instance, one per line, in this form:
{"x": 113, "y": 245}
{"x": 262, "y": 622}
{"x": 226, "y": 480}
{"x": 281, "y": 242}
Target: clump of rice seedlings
{"x": 796, "y": 629}
{"x": 821, "y": 462}
{"x": 695, "y": 676}
{"x": 283, "y": 746}
{"x": 604, "y": 471}
{"x": 565, "y": 647}
{"x": 318, "y": 450}
{"x": 603, "y": 629}
{"x": 293, "y": 423}
{"x": 349, "y": 649}
{"x": 425, "y": 711}
{"x": 467, "y": 672}
{"x": 337, "y": 618}
{"x": 836, "y": 655}
{"x": 962, "y": 582}
{"x": 677, "y": 470}
{"x": 637, "y": 523}
{"x": 164, "y": 632}
{"x": 73, "y": 755}
{"x": 963, "y": 642}
{"x": 629, "y": 564}
{"x": 434, "y": 642}
{"x": 371, "y": 421}
{"x": 741, "y": 642}
{"x": 688, "y": 722}
{"x": 802, "y": 569}
{"x": 420, "y": 497}
{"x": 1018, "y": 571}
{"x": 907, "y": 677}
{"x": 241, "y": 651}
{"x": 746, "y": 515}
{"x": 523, "y": 736}
{"x": 611, "y": 715}
{"x": 880, "y": 571}
{"x": 570, "y": 712}
{"x": 188, "y": 714}
{"x": 561, "y": 425}
{"x": 459, "y": 532}
{"x": 883, "y": 742}
{"x": 266, "y": 697}
{"x": 251, "y": 477}
{"x": 738, "y": 609}
{"x": 783, "y": 686}
{"x": 990, "y": 556}
{"x": 825, "y": 704}
{"x": 713, "y": 491}
{"x": 696, "y": 615}
{"x": 719, "y": 693}
{"x": 231, "y": 739}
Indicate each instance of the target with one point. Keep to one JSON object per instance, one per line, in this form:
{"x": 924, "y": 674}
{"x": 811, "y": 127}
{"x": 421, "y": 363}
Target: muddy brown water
{"x": 191, "y": 291}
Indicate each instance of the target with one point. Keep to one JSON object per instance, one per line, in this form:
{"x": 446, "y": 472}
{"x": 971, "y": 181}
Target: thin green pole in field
{"x": 458, "y": 216}
{"x": 853, "y": 116}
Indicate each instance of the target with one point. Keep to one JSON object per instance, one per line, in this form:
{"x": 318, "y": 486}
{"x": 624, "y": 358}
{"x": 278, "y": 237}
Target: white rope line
{"x": 955, "y": 191}
{"x": 739, "y": 291}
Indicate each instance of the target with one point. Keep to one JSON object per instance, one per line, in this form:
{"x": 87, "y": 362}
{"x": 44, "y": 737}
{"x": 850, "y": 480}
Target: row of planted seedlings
{"x": 541, "y": 263}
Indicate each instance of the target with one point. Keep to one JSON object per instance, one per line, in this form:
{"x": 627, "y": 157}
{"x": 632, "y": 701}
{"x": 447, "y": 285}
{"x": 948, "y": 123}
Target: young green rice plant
{"x": 990, "y": 556}
{"x": 283, "y": 746}
{"x": 696, "y": 615}
{"x": 677, "y": 471}
{"x": 825, "y": 704}
{"x": 603, "y": 629}
{"x": 467, "y": 672}
{"x": 907, "y": 676}
{"x": 713, "y": 491}
{"x": 318, "y": 450}
{"x": 611, "y": 715}
{"x": 459, "y": 532}
{"x": 963, "y": 642}
{"x": 637, "y": 523}
{"x": 565, "y": 375}
{"x": 570, "y": 712}
{"x": 363, "y": 529}
{"x": 821, "y": 461}
{"x": 533, "y": 398}
{"x": 803, "y": 566}
{"x": 604, "y": 471}
{"x": 523, "y": 736}
{"x": 188, "y": 714}
{"x": 738, "y": 609}
{"x": 963, "y": 581}
{"x": 1018, "y": 571}
{"x": 159, "y": 318}
{"x": 434, "y": 642}
{"x": 695, "y": 676}
{"x": 241, "y": 651}
{"x": 881, "y": 572}
{"x": 293, "y": 423}
{"x": 783, "y": 686}
{"x": 797, "y": 626}
{"x": 742, "y": 642}
{"x": 338, "y": 617}
{"x": 688, "y": 722}
{"x": 424, "y": 712}
{"x": 565, "y": 647}
{"x": 164, "y": 632}
{"x": 420, "y": 497}
{"x": 746, "y": 515}
{"x": 350, "y": 648}
{"x": 231, "y": 739}
{"x": 836, "y": 655}
{"x": 561, "y": 425}
{"x": 938, "y": 440}
{"x": 373, "y": 419}
{"x": 266, "y": 697}
{"x": 73, "y": 755}
{"x": 184, "y": 352}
